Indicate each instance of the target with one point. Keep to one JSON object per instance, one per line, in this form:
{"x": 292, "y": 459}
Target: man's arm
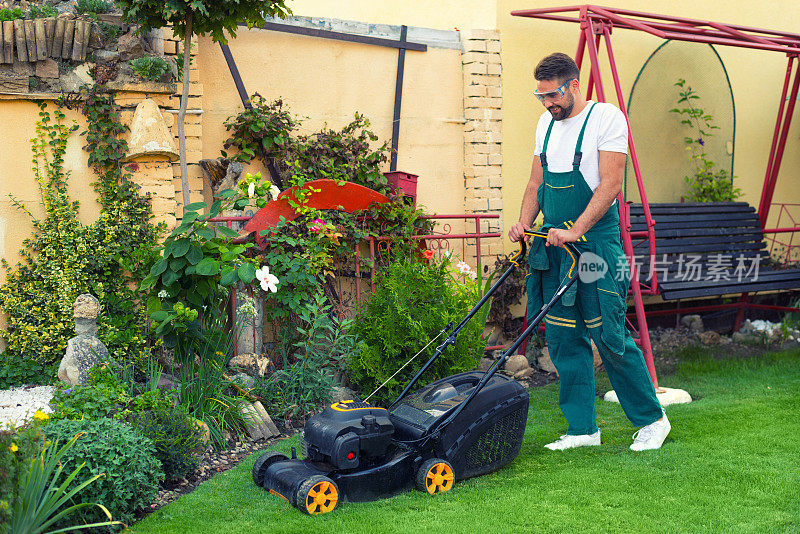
{"x": 612, "y": 170}
{"x": 530, "y": 202}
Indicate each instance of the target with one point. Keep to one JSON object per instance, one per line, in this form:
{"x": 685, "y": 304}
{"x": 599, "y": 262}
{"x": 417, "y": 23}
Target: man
{"x": 576, "y": 175}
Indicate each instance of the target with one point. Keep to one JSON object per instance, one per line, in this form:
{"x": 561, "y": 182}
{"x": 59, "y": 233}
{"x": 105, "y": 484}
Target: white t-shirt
{"x": 606, "y": 130}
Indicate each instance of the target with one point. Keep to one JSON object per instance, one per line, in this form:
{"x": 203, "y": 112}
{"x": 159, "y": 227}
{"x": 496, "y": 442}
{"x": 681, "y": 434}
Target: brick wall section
{"x": 483, "y": 160}
{"x": 192, "y": 123}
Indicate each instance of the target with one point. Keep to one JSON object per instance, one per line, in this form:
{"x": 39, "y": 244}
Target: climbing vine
{"x": 64, "y": 258}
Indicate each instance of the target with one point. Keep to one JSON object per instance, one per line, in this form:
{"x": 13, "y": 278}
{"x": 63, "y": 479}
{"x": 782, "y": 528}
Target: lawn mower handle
{"x": 515, "y": 260}
{"x": 572, "y": 277}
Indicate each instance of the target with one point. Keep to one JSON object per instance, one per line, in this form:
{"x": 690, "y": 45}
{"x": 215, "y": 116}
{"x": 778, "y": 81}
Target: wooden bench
{"x": 708, "y": 249}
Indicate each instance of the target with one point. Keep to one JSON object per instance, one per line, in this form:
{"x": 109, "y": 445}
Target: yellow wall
{"x": 440, "y": 14}
{"x": 16, "y": 176}
{"x": 325, "y": 82}
{"x": 756, "y": 78}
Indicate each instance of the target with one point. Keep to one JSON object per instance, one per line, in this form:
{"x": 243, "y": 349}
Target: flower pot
{"x": 403, "y": 183}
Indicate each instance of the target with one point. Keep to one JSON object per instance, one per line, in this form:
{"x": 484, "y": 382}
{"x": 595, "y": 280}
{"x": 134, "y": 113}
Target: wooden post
{"x": 77, "y": 42}
{"x": 41, "y": 40}
{"x": 2, "y": 52}
{"x": 49, "y": 30}
{"x": 87, "y": 33}
{"x": 19, "y": 36}
{"x": 58, "y": 38}
{"x": 30, "y": 38}
{"x": 69, "y": 35}
{"x": 8, "y": 40}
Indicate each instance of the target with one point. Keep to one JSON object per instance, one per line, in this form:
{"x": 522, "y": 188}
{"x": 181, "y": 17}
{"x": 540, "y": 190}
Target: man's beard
{"x": 560, "y": 113}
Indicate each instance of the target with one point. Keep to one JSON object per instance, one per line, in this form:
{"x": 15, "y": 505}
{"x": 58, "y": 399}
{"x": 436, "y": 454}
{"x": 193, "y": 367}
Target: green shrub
{"x": 321, "y": 344}
{"x": 10, "y": 14}
{"x": 17, "y": 447}
{"x": 42, "y": 503}
{"x": 98, "y": 399}
{"x": 412, "y": 302}
{"x": 42, "y": 12}
{"x": 175, "y": 437}
{"x": 94, "y": 6}
{"x": 150, "y": 67}
{"x": 131, "y": 472}
{"x": 64, "y": 258}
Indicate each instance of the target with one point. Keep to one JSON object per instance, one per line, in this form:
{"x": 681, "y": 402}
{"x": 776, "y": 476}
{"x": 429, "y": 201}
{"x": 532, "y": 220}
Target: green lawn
{"x": 731, "y": 464}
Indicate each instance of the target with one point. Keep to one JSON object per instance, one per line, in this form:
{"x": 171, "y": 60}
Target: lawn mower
{"x": 462, "y": 426}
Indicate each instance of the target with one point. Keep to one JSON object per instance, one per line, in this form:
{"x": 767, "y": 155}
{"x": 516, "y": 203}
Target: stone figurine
{"x": 84, "y": 350}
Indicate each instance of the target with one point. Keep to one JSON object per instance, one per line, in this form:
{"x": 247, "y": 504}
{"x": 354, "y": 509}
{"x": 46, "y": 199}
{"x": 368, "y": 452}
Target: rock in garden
{"x": 266, "y": 419}
{"x": 47, "y": 68}
{"x": 709, "y": 338}
{"x": 84, "y": 351}
{"x": 516, "y": 363}
{"x": 692, "y": 322}
{"x": 598, "y": 362}
{"x": 250, "y": 363}
{"x": 167, "y": 382}
{"x": 341, "y": 393}
{"x": 243, "y": 380}
{"x": 485, "y": 364}
{"x": 130, "y": 46}
{"x": 205, "y": 432}
{"x": 545, "y": 363}
{"x": 525, "y": 373}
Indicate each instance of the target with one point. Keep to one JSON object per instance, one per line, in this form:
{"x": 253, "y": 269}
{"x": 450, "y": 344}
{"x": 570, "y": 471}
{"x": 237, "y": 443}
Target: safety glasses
{"x": 554, "y": 95}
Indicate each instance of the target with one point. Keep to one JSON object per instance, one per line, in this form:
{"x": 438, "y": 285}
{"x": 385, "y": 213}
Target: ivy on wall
{"x": 64, "y": 258}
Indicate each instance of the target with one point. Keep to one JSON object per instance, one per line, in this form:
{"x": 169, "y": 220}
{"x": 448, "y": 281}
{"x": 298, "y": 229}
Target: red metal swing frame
{"x": 596, "y": 25}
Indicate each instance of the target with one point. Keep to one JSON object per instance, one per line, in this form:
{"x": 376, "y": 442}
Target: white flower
{"x": 269, "y": 282}
{"x": 463, "y": 267}
{"x": 247, "y": 307}
{"x": 447, "y": 254}
{"x": 251, "y": 189}
{"x": 163, "y": 294}
{"x": 274, "y": 191}
{"x": 472, "y": 275}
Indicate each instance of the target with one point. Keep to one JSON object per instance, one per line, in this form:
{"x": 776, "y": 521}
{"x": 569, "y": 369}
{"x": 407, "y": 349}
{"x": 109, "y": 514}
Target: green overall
{"x": 595, "y": 306}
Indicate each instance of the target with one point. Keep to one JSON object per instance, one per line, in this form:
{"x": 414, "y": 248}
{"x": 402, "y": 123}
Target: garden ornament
{"x": 84, "y": 350}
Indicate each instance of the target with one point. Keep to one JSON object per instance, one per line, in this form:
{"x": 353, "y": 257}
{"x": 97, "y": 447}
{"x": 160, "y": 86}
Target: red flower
{"x": 428, "y": 254}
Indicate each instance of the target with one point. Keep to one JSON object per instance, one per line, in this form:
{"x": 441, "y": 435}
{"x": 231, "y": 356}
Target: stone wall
{"x": 483, "y": 160}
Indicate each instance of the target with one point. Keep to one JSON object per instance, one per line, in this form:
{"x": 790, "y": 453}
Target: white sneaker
{"x": 568, "y": 442}
{"x": 651, "y": 436}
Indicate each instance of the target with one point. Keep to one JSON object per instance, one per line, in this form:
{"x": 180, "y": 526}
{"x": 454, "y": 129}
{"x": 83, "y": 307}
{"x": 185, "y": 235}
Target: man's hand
{"x": 558, "y": 237}
{"x": 516, "y": 232}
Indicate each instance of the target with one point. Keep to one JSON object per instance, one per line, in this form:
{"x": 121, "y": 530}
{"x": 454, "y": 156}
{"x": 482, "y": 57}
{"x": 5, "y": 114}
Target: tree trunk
{"x": 187, "y": 52}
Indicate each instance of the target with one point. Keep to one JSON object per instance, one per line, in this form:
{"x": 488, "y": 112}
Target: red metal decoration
{"x": 596, "y": 24}
{"x": 323, "y": 195}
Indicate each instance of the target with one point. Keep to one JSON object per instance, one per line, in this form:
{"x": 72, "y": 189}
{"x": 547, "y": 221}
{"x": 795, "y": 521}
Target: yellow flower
{"x": 41, "y": 416}
{"x": 13, "y": 447}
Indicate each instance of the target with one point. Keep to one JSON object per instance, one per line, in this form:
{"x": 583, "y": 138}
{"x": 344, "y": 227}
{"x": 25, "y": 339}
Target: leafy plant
{"x": 341, "y": 155}
{"x": 201, "y": 17}
{"x": 65, "y": 258}
{"x": 261, "y": 130}
{"x": 708, "y": 184}
{"x": 42, "y": 11}
{"x": 94, "y": 6}
{"x": 175, "y": 437}
{"x": 197, "y": 268}
{"x": 321, "y": 344}
{"x": 150, "y": 67}
{"x": 11, "y": 14}
{"x": 203, "y": 380}
{"x": 412, "y": 303}
{"x": 125, "y": 459}
{"x": 43, "y": 493}
{"x": 17, "y": 447}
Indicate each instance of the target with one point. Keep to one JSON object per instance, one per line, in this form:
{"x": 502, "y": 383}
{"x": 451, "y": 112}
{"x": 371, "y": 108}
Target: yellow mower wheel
{"x": 317, "y": 495}
{"x": 435, "y": 476}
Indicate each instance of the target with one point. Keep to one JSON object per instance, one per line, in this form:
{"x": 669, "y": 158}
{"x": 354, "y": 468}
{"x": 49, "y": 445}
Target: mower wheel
{"x": 435, "y": 476}
{"x": 317, "y": 495}
{"x": 263, "y": 462}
